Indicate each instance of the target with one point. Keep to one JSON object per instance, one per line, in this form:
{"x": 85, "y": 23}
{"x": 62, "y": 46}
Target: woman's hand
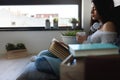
{"x": 80, "y": 38}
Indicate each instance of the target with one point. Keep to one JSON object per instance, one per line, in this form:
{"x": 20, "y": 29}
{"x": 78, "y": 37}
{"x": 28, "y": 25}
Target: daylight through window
{"x": 36, "y": 15}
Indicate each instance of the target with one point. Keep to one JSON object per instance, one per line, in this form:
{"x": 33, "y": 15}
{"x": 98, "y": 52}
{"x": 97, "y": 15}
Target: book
{"x": 94, "y": 49}
{"x": 59, "y": 49}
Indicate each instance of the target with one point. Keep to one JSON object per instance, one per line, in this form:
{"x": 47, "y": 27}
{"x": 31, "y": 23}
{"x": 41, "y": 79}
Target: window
{"x": 33, "y": 14}
{"x": 36, "y": 15}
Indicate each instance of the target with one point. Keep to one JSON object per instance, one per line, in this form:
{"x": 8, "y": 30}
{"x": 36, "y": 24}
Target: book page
{"x": 59, "y": 49}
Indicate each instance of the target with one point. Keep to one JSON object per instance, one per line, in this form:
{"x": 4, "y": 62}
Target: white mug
{"x": 81, "y": 33}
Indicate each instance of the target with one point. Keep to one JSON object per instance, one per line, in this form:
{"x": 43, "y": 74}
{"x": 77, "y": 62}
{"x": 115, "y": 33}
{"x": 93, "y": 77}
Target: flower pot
{"x": 73, "y": 25}
{"x": 55, "y": 25}
{"x": 69, "y": 39}
{"x": 17, "y": 53}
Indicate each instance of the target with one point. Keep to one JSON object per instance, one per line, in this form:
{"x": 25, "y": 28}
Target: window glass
{"x": 36, "y": 15}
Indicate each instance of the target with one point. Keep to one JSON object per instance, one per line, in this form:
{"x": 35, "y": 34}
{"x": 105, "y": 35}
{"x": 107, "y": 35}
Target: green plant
{"x": 55, "y": 20}
{"x": 74, "y": 20}
{"x": 20, "y": 46}
{"x": 70, "y": 33}
{"x": 11, "y": 46}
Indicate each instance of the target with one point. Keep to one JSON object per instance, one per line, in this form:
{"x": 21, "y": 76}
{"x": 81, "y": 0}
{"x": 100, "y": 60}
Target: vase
{"x": 73, "y": 25}
{"x": 47, "y": 23}
{"x": 55, "y": 25}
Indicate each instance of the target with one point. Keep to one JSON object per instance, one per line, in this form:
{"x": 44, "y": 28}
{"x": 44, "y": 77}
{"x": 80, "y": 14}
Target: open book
{"x": 59, "y": 49}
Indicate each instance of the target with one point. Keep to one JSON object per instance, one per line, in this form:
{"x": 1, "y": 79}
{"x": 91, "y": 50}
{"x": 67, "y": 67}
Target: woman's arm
{"x": 80, "y": 38}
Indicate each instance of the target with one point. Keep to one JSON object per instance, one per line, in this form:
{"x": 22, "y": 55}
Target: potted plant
{"x": 55, "y": 22}
{"x": 16, "y": 51}
{"x": 69, "y": 37}
{"x": 74, "y": 21}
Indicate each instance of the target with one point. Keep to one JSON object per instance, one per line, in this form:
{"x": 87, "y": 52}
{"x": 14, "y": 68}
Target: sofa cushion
{"x": 31, "y": 73}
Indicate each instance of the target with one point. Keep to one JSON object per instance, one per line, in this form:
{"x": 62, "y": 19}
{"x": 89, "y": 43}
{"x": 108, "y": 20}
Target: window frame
{"x": 40, "y": 2}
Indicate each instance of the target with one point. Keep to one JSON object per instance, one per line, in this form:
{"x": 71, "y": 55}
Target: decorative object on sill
{"x": 47, "y": 23}
{"x": 16, "y": 51}
{"x": 74, "y": 22}
{"x": 73, "y": 25}
{"x": 13, "y": 23}
{"x": 55, "y": 23}
{"x": 69, "y": 37}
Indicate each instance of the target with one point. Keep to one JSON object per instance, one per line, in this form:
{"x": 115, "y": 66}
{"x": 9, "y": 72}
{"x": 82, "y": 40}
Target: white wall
{"x": 35, "y": 41}
{"x": 86, "y": 13}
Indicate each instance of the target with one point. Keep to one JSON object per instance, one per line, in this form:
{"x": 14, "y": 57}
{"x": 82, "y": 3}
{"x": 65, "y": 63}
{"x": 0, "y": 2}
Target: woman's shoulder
{"x": 108, "y": 26}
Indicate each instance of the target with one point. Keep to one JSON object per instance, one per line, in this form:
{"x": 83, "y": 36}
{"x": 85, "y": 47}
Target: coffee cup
{"x": 81, "y": 33}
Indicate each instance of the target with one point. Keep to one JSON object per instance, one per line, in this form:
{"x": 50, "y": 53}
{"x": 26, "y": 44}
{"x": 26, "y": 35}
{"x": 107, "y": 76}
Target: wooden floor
{"x": 10, "y": 69}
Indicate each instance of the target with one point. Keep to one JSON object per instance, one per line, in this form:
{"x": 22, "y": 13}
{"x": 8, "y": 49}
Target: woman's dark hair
{"x": 116, "y": 18}
{"x": 104, "y": 8}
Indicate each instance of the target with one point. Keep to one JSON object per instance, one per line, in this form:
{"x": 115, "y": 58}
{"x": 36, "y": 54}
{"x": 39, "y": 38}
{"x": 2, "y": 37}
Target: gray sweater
{"x": 101, "y": 37}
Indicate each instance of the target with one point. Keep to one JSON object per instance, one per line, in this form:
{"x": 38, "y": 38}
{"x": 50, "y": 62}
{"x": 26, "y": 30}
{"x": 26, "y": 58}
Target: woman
{"x": 95, "y": 25}
{"x": 101, "y": 10}
{"x": 47, "y": 62}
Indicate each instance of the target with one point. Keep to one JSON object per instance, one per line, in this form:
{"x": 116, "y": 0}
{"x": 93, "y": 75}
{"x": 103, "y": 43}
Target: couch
{"x": 40, "y": 67}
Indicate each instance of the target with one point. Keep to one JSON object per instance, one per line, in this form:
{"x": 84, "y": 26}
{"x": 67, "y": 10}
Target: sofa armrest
{"x": 102, "y": 68}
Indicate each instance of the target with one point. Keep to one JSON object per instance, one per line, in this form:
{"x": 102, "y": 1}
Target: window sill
{"x": 35, "y": 29}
